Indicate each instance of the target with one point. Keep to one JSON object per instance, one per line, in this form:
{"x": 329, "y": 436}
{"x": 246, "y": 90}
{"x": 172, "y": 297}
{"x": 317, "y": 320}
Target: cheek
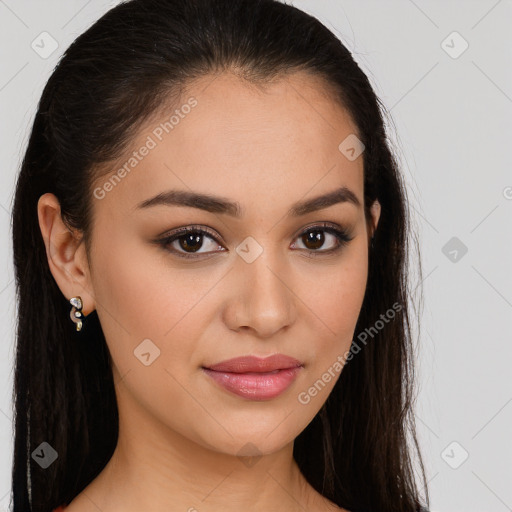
{"x": 139, "y": 292}
{"x": 334, "y": 299}
{"x": 334, "y": 304}
{"x": 146, "y": 308}
{"x": 334, "y": 293}
{"x": 139, "y": 297}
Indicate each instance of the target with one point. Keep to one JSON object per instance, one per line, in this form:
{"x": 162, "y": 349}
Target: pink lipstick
{"x": 255, "y": 378}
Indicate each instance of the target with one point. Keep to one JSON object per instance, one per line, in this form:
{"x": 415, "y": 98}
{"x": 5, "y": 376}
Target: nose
{"x": 261, "y": 300}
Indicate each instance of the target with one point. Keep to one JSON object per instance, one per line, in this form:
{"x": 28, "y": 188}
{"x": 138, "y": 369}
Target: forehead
{"x": 289, "y": 119}
{"x": 244, "y": 141}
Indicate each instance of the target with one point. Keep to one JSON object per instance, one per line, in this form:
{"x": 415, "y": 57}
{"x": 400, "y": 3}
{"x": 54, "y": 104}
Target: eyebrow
{"x": 216, "y": 204}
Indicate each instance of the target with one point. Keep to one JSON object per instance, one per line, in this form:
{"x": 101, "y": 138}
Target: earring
{"x": 76, "y": 311}
{"x": 371, "y": 242}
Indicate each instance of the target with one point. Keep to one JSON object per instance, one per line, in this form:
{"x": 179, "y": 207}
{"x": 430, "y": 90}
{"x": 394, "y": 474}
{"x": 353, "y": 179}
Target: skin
{"x": 181, "y": 434}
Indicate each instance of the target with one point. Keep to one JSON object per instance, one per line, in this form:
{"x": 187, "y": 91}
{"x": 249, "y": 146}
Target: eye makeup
{"x": 191, "y": 238}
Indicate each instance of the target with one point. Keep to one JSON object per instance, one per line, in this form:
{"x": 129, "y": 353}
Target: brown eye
{"x": 314, "y": 239}
{"x": 189, "y": 240}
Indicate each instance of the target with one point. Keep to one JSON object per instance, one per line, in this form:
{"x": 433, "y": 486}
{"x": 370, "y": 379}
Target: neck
{"x": 156, "y": 468}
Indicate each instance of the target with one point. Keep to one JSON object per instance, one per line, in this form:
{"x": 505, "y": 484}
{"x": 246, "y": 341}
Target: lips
{"x": 255, "y": 364}
{"x": 253, "y": 378}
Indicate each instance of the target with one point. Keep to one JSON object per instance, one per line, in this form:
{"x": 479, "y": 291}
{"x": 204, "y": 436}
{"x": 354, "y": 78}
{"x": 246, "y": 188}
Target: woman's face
{"x": 258, "y": 283}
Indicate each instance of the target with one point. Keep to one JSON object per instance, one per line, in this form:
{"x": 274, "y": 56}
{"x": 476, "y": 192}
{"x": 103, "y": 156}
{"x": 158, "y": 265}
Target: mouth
{"x": 254, "y": 364}
{"x": 255, "y": 378}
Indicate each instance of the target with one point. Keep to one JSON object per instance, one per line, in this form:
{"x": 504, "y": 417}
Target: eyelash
{"x": 341, "y": 235}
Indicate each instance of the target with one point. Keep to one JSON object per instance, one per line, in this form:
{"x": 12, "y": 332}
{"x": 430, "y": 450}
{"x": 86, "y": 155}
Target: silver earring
{"x": 76, "y": 311}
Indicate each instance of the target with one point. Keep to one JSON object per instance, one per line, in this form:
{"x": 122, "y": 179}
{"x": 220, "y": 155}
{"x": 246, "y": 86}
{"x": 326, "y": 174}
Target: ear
{"x": 66, "y": 253}
{"x": 375, "y": 211}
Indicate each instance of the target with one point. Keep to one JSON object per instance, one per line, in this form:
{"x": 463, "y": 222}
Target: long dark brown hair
{"x": 113, "y": 77}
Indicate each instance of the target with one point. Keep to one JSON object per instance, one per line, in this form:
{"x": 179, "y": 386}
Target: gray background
{"x": 451, "y": 128}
